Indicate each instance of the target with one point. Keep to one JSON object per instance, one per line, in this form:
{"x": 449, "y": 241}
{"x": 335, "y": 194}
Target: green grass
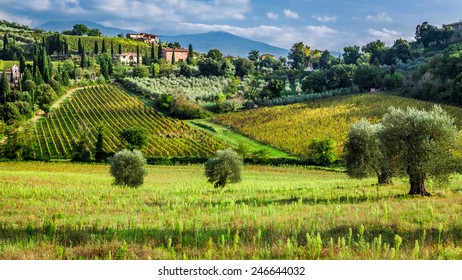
{"x": 72, "y": 211}
{"x": 233, "y": 138}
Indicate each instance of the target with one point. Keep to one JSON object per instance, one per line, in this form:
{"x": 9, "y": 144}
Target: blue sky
{"x": 320, "y": 24}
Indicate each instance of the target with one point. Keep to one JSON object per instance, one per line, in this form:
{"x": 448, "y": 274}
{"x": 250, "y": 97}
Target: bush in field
{"x": 127, "y": 168}
{"x": 225, "y": 167}
{"x": 322, "y": 151}
{"x": 136, "y": 137}
{"x": 363, "y": 152}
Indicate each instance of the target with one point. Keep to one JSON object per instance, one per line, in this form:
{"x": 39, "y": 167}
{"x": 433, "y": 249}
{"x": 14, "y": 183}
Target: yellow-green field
{"x": 291, "y": 127}
{"x": 72, "y": 211}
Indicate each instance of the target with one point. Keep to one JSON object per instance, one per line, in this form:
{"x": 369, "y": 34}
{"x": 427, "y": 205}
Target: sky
{"x": 320, "y": 24}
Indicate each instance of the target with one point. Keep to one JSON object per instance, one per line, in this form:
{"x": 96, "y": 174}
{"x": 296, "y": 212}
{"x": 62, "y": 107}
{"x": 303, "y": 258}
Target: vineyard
{"x": 195, "y": 88}
{"x": 107, "y": 105}
{"x": 291, "y": 127}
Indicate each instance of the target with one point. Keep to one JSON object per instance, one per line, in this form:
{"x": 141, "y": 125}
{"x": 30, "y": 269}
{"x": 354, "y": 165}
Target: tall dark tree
{"x": 4, "y": 87}
{"x": 103, "y": 47}
{"x": 137, "y": 55}
{"x": 351, "y": 54}
{"x": 100, "y": 154}
{"x": 160, "y": 51}
{"x": 22, "y": 63}
{"x": 120, "y": 49}
{"x": 80, "y": 47}
{"x": 173, "y": 56}
{"x": 95, "y": 51}
{"x": 153, "y": 52}
{"x": 190, "y": 54}
{"x": 299, "y": 54}
{"x": 83, "y": 58}
{"x": 112, "y": 48}
{"x": 253, "y": 55}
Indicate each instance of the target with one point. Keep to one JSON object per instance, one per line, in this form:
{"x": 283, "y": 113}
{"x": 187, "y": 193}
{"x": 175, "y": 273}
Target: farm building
{"x": 127, "y": 58}
{"x": 180, "y": 54}
{"x": 144, "y": 37}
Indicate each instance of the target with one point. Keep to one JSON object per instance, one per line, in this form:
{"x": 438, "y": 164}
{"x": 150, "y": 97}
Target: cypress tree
{"x": 173, "y": 56}
{"x": 96, "y": 48}
{"x": 80, "y": 47}
{"x": 103, "y": 47}
{"x": 22, "y": 64}
{"x": 83, "y": 58}
{"x": 112, "y": 49}
{"x": 100, "y": 154}
{"x": 152, "y": 51}
{"x": 4, "y": 87}
{"x": 159, "y": 51}
{"x": 66, "y": 46}
{"x": 137, "y": 55}
{"x": 120, "y": 48}
{"x": 190, "y": 54}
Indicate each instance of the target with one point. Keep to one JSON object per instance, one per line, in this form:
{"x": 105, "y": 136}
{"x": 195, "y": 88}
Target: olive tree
{"x": 127, "y": 167}
{"x": 421, "y": 142}
{"x": 364, "y": 155}
{"x": 136, "y": 137}
{"x": 224, "y": 167}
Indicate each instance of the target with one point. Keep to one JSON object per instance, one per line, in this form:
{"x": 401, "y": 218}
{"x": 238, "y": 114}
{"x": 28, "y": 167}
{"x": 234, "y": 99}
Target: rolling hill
{"x": 59, "y": 26}
{"x": 227, "y": 43}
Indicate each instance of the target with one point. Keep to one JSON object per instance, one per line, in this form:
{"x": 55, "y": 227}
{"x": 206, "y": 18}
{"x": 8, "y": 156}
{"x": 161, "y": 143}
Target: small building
{"x": 127, "y": 58}
{"x": 455, "y": 25}
{"x": 266, "y": 56}
{"x": 16, "y": 74}
{"x": 144, "y": 37}
{"x": 181, "y": 54}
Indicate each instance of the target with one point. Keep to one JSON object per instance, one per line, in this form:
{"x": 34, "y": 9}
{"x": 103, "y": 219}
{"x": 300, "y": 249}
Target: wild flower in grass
{"x": 415, "y": 252}
{"x": 398, "y": 241}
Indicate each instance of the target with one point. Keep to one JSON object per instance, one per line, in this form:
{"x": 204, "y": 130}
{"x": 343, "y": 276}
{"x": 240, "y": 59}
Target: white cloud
{"x": 380, "y": 17}
{"x": 385, "y": 35}
{"x": 291, "y": 14}
{"x": 272, "y": 15}
{"x": 325, "y": 18}
{"x": 320, "y": 30}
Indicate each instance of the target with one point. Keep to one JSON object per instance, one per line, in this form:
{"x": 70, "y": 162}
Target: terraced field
{"x": 291, "y": 127}
{"x": 117, "y": 110}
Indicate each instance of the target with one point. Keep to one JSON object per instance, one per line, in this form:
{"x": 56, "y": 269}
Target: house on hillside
{"x": 144, "y": 37}
{"x": 455, "y": 25}
{"x": 127, "y": 58}
{"x": 181, "y": 54}
{"x": 266, "y": 56}
{"x": 13, "y": 76}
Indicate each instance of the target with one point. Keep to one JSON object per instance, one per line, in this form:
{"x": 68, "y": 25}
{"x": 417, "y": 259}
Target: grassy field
{"x": 233, "y": 138}
{"x": 291, "y": 127}
{"x": 72, "y": 211}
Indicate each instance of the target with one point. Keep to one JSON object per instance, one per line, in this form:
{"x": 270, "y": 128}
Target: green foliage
{"x": 363, "y": 151}
{"x": 127, "y": 168}
{"x": 224, "y": 167}
{"x": 100, "y": 154}
{"x": 368, "y": 77}
{"x": 420, "y": 143}
{"x": 214, "y": 54}
{"x": 322, "y": 151}
{"x": 19, "y": 145}
{"x": 81, "y": 146}
{"x": 136, "y": 137}
{"x": 45, "y": 96}
{"x": 4, "y": 87}
{"x": 140, "y": 71}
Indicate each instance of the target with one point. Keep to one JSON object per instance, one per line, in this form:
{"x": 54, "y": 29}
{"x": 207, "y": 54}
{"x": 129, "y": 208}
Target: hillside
{"x": 227, "y": 43}
{"x": 291, "y": 127}
{"x": 116, "y": 110}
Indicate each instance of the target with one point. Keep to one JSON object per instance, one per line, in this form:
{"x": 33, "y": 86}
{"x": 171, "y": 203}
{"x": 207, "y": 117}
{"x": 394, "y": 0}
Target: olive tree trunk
{"x": 384, "y": 178}
{"x": 417, "y": 182}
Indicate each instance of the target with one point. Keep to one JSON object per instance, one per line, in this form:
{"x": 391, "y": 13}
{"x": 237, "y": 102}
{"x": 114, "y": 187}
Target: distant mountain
{"x": 59, "y": 26}
{"x": 227, "y": 43}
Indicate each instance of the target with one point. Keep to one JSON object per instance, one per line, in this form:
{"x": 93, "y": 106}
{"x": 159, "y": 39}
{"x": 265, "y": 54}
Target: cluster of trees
{"x": 82, "y": 29}
{"x": 414, "y": 143}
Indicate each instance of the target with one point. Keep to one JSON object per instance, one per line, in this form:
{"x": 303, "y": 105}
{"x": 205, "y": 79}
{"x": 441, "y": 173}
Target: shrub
{"x": 135, "y": 136}
{"x": 322, "y": 151}
{"x": 225, "y": 167}
{"x": 127, "y": 167}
